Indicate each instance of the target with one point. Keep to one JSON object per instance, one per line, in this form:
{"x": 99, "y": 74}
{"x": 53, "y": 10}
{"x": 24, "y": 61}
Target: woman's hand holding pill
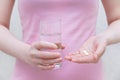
{"x": 90, "y": 52}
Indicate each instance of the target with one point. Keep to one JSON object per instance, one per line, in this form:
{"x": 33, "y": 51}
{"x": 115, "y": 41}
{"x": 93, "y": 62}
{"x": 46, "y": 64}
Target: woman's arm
{"x": 112, "y": 9}
{"x": 6, "y": 7}
{"x": 30, "y": 54}
{"x": 6, "y": 39}
{"x": 8, "y": 43}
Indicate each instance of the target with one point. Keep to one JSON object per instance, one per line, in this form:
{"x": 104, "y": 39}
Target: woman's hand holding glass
{"x": 37, "y": 57}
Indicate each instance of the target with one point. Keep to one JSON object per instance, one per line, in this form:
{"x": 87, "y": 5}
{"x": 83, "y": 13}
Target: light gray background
{"x": 110, "y": 58}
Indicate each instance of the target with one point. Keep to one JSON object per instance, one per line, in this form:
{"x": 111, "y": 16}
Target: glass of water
{"x": 50, "y": 31}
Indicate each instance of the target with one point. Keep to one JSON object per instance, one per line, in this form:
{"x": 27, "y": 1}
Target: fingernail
{"x": 62, "y": 47}
{"x": 73, "y": 60}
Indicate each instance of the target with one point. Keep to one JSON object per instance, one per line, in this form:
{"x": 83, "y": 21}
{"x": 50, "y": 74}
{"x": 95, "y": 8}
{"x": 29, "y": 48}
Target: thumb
{"x": 100, "y": 50}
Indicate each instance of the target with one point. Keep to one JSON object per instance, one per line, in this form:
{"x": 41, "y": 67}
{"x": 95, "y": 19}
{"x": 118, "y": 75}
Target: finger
{"x": 60, "y": 46}
{"x": 43, "y": 61}
{"x": 45, "y": 55}
{"x": 68, "y": 57}
{"x": 44, "y": 45}
{"x": 100, "y": 50}
{"x": 85, "y": 59}
{"x": 43, "y": 67}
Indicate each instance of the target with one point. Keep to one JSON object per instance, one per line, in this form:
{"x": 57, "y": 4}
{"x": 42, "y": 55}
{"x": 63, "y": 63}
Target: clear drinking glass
{"x": 50, "y": 30}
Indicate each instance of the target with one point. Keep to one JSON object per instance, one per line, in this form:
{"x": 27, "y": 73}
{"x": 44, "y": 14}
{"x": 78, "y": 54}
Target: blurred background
{"x": 110, "y": 59}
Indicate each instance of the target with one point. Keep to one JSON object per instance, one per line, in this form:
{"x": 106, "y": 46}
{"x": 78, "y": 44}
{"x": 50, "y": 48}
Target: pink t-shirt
{"x": 78, "y": 24}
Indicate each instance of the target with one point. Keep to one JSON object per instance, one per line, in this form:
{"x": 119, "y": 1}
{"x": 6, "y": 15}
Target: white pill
{"x": 85, "y": 52}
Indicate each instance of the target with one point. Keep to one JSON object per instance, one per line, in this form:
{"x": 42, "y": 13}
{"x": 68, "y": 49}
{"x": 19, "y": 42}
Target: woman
{"x": 78, "y": 36}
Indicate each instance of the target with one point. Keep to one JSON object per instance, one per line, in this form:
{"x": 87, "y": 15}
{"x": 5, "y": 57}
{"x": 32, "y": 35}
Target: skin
{"x": 36, "y": 57}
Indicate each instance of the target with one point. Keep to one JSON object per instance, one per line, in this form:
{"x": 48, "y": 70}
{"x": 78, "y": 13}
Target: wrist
{"x": 23, "y": 51}
{"x": 112, "y": 34}
{"x": 107, "y": 37}
{"x": 104, "y": 38}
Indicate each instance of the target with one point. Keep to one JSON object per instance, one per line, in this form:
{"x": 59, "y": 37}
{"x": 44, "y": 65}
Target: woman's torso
{"x": 78, "y": 24}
